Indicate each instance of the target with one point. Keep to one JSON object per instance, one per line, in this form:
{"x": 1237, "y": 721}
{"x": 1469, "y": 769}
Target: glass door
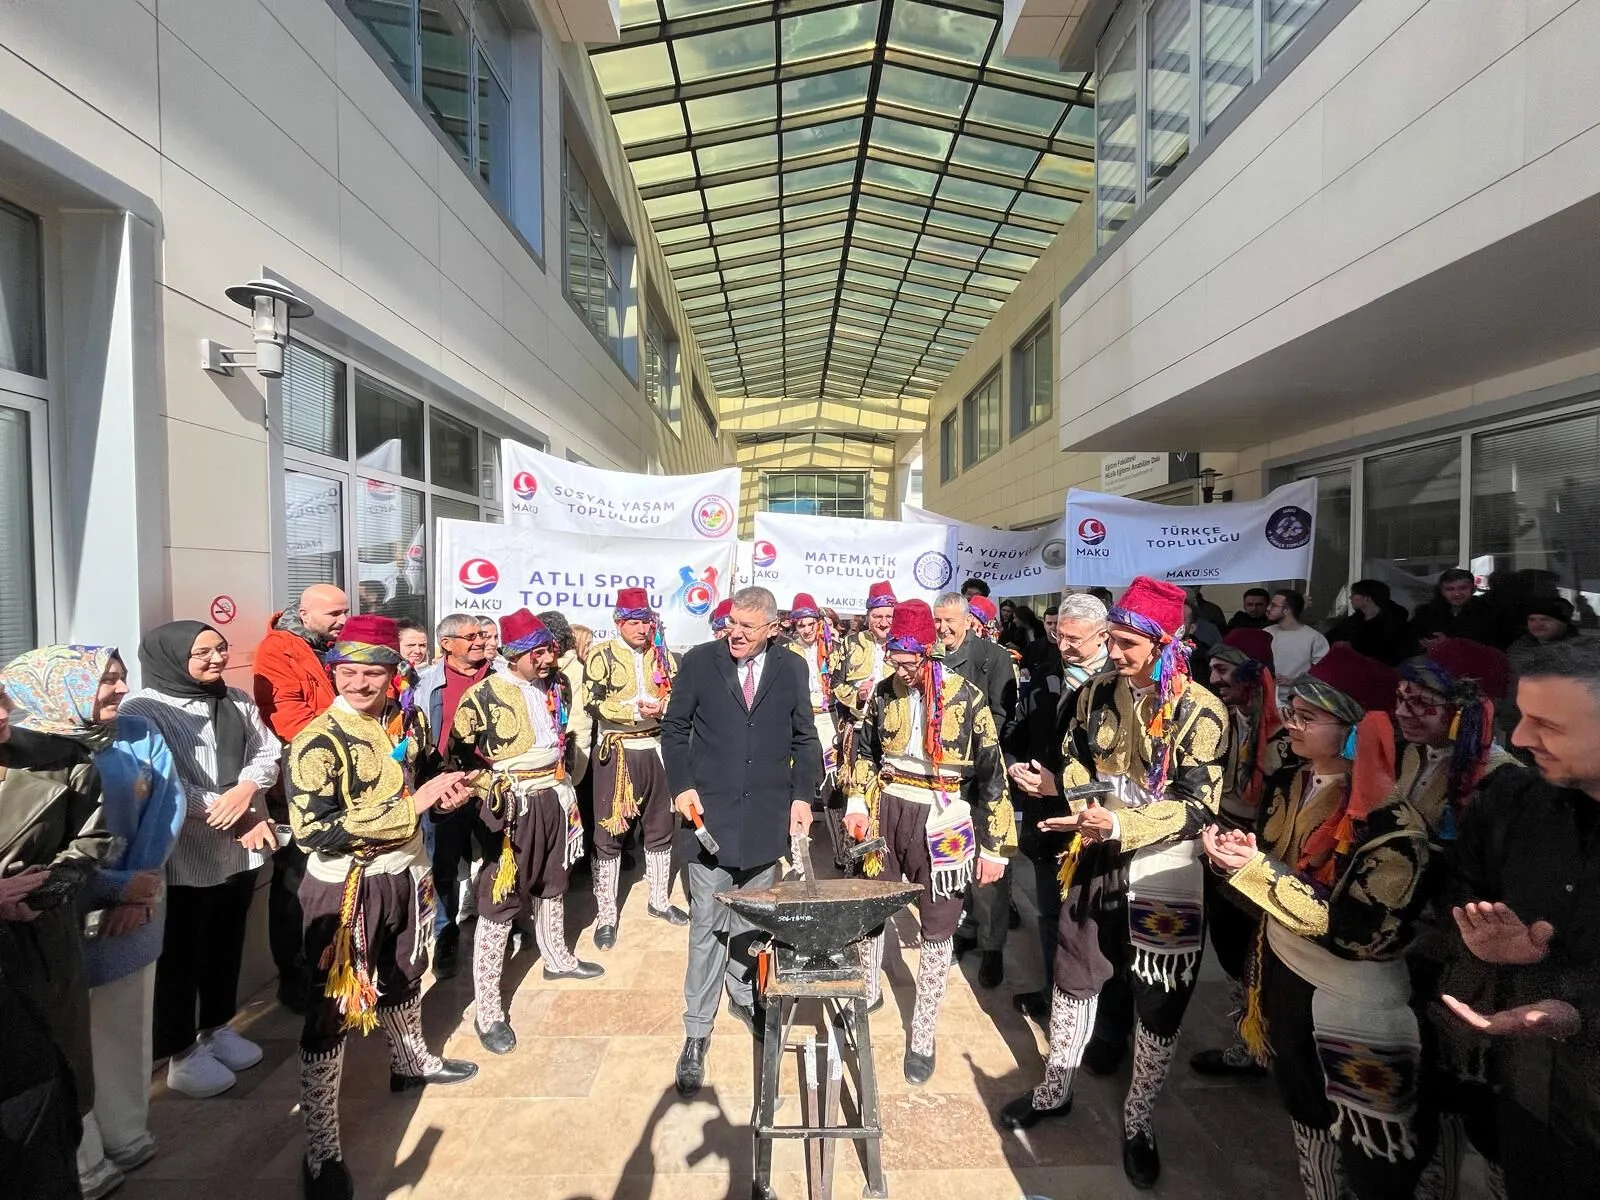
{"x": 1330, "y": 556}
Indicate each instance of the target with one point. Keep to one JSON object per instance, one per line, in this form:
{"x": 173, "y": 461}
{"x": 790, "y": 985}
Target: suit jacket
{"x": 748, "y": 766}
{"x": 988, "y": 667}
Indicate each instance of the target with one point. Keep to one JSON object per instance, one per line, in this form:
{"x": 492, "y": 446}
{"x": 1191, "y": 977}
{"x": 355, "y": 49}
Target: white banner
{"x": 1020, "y": 562}
{"x": 744, "y": 555}
{"x": 494, "y": 570}
{"x": 837, "y": 559}
{"x": 1110, "y": 539}
{"x": 553, "y": 493}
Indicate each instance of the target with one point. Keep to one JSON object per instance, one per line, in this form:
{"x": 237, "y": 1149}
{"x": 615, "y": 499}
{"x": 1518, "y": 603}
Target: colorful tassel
{"x": 1253, "y": 1022}
{"x": 1069, "y": 864}
{"x": 350, "y": 983}
{"x": 505, "y": 874}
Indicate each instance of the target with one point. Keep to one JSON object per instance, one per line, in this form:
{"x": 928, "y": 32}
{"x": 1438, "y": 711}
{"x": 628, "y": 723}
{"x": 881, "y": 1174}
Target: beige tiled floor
{"x": 585, "y": 1109}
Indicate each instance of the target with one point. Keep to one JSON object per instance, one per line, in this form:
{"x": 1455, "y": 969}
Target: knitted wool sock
{"x": 872, "y": 956}
{"x": 607, "y": 872}
{"x": 550, "y": 928}
{"x": 320, "y": 1076}
{"x": 402, "y": 1025}
{"x": 1071, "y": 1027}
{"x": 488, "y": 968}
{"x": 933, "y": 977}
{"x": 1320, "y": 1173}
{"x": 1152, "y": 1056}
{"x": 658, "y": 874}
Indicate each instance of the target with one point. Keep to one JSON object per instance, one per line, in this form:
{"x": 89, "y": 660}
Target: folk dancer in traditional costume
{"x": 813, "y": 642}
{"x": 355, "y": 806}
{"x": 516, "y": 721}
{"x": 863, "y": 665}
{"x": 1446, "y": 710}
{"x": 720, "y": 616}
{"x": 928, "y": 779}
{"x": 627, "y": 680}
{"x": 1337, "y": 873}
{"x": 1132, "y": 918}
{"x": 1258, "y": 751}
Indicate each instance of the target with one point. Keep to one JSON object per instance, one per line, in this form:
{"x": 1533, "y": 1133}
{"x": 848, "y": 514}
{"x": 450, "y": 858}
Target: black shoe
{"x": 1021, "y": 1114}
{"x": 1141, "y": 1161}
{"x": 580, "y": 970}
{"x": 762, "y": 1191}
{"x": 672, "y": 915}
{"x": 918, "y": 1067}
{"x": 1104, "y": 1055}
{"x": 293, "y": 992}
{"x": 849, "y": 1014}
{"x": 1013, "y": 918}
{"x": 752, "y": 1016}
{"x": 331, "y": 1182}
{"x": 992, "y": 969}
{"x": 1233, "y": 1061}
{"x": 451, "y": 1070}
{"x": 1033, "y": 1004}
{"x": 605, "y": 937}
{"x": 447, "y": 953}
{"x": 498, "y": 1038}
{"x": 691, "y": 1066}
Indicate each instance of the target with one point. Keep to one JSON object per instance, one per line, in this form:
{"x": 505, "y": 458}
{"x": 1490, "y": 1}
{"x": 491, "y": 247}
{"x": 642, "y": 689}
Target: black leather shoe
{"x": 331, "y": 1182}
{"x": 672, "y": 915}
{"x": 1033, "y": 1004}
{"x": 691, "y": 1066}
{"x": 1021, "y": 1114}
{"x": 752, "y": 1016}
{"x": 580, "y": 970}
{"x": 605, "y": 937}
{"x": 1233, "y": 1061}
{"x": 499, "y": 1038}
{"x": 1141, "y": 1161}
{"x": 918, "y": 1067}
{"x": 447, "y": 953}
{"x": 1104, "y": 1055}
{"x": 451, "y": 1070}
{"x": 992, "y": 969}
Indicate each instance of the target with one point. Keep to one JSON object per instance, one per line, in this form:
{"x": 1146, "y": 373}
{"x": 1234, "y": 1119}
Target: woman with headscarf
{"x": 226, "y": 759}
{"x": 74, "y": 692}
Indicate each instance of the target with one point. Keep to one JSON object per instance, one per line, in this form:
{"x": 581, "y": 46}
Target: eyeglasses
{"x": 466, "y": 637}
{"x": 1421, "y": 703}
{"x": 743, "y": 627}
{"x": 1294, "y": 718}
{"x": 218, "y": 652}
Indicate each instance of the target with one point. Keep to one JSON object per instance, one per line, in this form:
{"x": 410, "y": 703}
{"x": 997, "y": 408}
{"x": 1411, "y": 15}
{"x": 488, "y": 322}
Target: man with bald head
{"x": 292, "y": 689}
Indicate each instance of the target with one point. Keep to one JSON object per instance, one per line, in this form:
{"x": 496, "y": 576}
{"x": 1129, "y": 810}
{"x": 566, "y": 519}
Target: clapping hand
{"x": 1228, "y": 850}
{"x": 1031, "y": 779}
{"x": 1497, "y": 935}
{"x": 1543, "y": 1018}
{"x": 446, "y": 791}
{"x": 1094, "y": 824}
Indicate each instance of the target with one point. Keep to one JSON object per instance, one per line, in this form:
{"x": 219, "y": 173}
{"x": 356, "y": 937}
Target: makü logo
{"x": 1091, "y": 531}
{"x": 478, "y": 575}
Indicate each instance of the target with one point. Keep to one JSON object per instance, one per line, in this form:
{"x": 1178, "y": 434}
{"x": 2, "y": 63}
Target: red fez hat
{"x": 721, "y": 613}
{"x": 983, "y": 608}
{"x": 368, "y": 638}
{"x": 1368, "y": 682}
{"x": 1150, "y": 607}
{"x": 913, "y": 631}
{"x": 633, "y": 604}
{"x": 1254, "y": 644}
{"x": 1463, "y": 659}
{"x": 804, "y": 606}
{"x": 881, "y": 595}
{"x": 521, "y": 632}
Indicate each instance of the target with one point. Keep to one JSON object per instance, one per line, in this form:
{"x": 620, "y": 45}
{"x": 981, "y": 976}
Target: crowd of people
{"x": 1387, "y": 831}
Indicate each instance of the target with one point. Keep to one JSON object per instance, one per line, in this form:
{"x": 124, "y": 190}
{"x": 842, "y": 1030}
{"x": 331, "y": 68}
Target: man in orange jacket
{"x": 292, "y": 688}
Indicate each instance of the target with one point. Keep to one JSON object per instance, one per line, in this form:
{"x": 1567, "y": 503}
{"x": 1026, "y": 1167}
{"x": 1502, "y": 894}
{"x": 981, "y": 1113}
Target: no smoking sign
{"x": 223, "y": 610}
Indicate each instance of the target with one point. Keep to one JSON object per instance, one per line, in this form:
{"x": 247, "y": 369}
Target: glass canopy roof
{"x": 845, "y": 192}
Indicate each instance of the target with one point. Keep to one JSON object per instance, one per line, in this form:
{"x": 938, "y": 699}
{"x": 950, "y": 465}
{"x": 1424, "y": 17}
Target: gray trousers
{"x": 719, "y": 942}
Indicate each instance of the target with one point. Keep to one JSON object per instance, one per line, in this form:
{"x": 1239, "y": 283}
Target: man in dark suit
{"x": 740, "y": 746}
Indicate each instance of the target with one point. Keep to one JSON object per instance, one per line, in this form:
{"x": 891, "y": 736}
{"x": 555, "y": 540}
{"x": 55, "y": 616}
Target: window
{"x": 599, "y": 267}
{"x": 816, "y": 493}
{"x": 455, "y": 59}
{"x": 947, "y": 448}
{"x": 21, "y": 294}
{"x": 1116, "y": 118}
{"x": 1411, "y": 516}
{"x": 314, "y": 416}
{"x": 1228, "y": 49}
{"x": 980, "y": 422}
{"x": 453, "y": 453}
{"x": 388, "y": 428}
{"x": 1032, "y": 385}
{"x": 19, "y": 612}
{"x": 661, "y": 386}
{"x": 313, "y": 511}
{"x": 1169, "y": 96}
{"x": 705, "y": 409}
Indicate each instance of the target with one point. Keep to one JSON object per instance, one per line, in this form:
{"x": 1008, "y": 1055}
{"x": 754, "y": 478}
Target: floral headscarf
{"x": 54, "y": 688}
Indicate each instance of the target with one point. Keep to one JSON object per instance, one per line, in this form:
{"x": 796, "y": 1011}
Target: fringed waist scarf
{"x": 1166, "y": 913}
{"x": 952, "y": 838}
{"x": 613, "y": 745}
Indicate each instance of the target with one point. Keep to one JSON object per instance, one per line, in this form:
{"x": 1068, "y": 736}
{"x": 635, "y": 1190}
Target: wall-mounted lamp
{"x": 1208, "y": 484}
{"x": 272, "y": 307}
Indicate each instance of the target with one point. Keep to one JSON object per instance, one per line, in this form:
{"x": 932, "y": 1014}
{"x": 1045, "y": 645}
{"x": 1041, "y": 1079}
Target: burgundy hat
{"x": 983, "y": 608}
{"x": 720, "y": 615}
{"x": 913, "y": 630}
{"x": 633, "y": 604}
{"x": 880, "y": 595}
{"x": 370, "y": 639}
{"x": 1368, "y": 682}
{"x": 1150, "y": 607}
{"x": 1459, "y": 660}
{"x": 804, "y": 606}
{"x": 521, "y": 632}
{"x": 1252, "y": 644}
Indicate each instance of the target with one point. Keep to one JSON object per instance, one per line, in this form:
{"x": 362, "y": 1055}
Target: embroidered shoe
{"x": 199, "y": 1075}
{"x": 1021, "y": 1114}
{"x": 1141, "y": 1160}
{"x": 233, "y": 1051}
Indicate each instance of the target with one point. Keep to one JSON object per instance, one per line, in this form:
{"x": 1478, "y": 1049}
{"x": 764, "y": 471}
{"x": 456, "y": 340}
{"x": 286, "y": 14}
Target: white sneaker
{"x": 101, "y": 1181}
{"x": 232, "y": 1051}
{"x": 199, "y": 1075}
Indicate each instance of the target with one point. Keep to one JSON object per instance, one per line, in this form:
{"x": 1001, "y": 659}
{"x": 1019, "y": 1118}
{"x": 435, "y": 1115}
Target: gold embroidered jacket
{"x": 969, "y": 742}
{"x": 1427, "y": 791}
{"x": 611, "y": 686}
{"x": 492, "y": 720}
{"x": 830, "y": 667}
{"x": 1106, "y": 737}
{"x": 347, "y": 792}
{"x": 855, "y": 668}
{"x": 1376, "y": 895}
